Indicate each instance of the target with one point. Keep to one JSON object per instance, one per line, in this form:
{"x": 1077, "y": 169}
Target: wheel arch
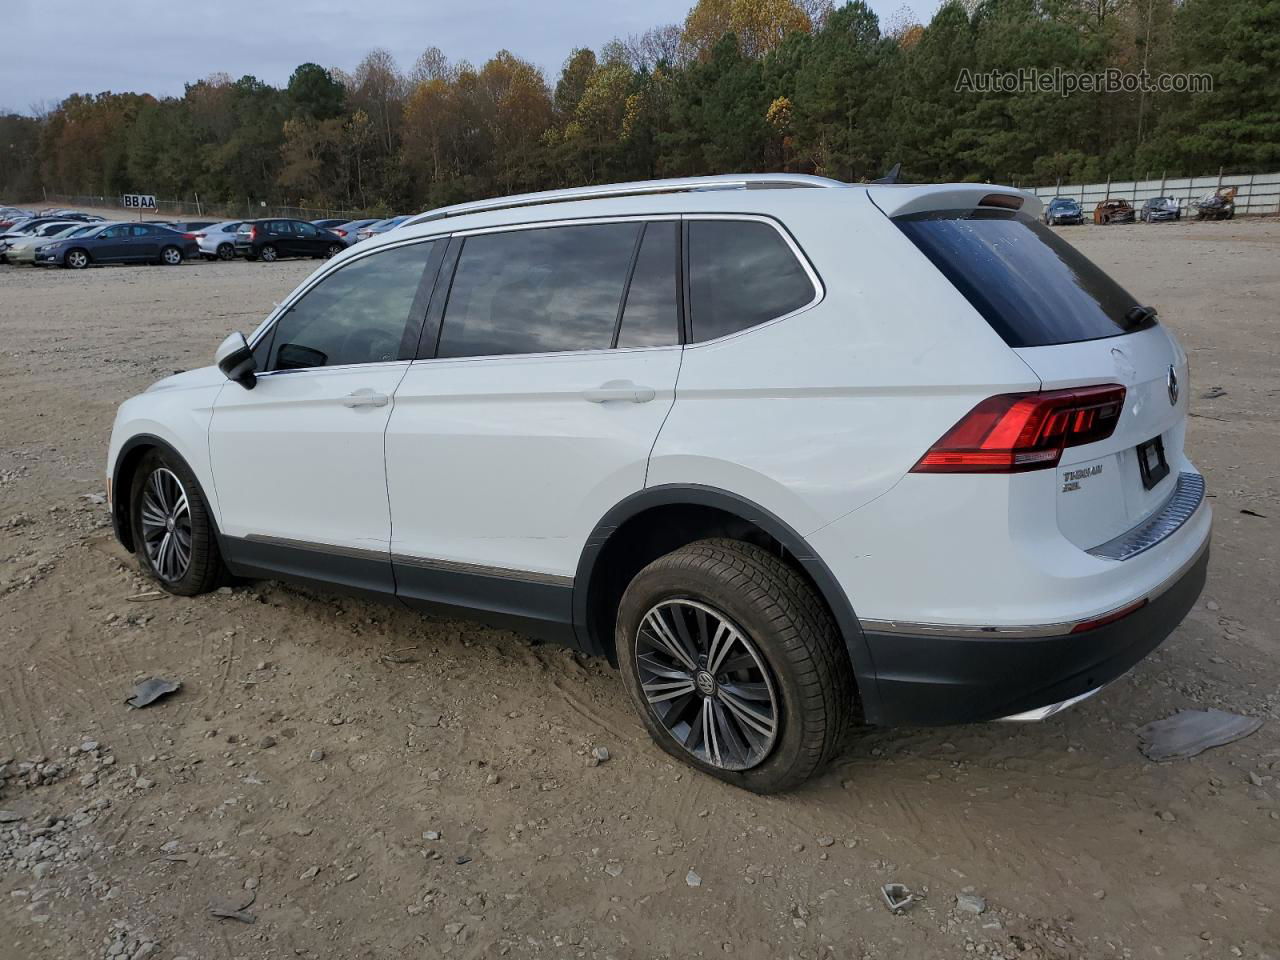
{"x": 126, "y": 464}
{"x": 665, "y": 517}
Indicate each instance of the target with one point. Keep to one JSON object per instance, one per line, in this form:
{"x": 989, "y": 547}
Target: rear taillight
{"x": 253, "y": 233}
{"x": 1014, "y": 432}
{"x": 341, "y": 233}
{"x": 191, "y": 236}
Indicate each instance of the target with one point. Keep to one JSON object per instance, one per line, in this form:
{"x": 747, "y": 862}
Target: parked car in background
{"x": 348, "y": 231}
{"x": 275, "y": 239}
{"x": 1155, "y": 209}
{"x": 330, "y": 223}
{"x": 218, "y": 240}
{"x": 1219, "y": 205}
{"x": 120, "y": 243}
{"x": 23, "y": 249}
{"x": 189, "y": 226}
{"x": 28, "y": 229}
{"x": 1113, "y": 210}
{"x": 991, "y": 527}
{"x": 1063, "y": 210}
{"x": 73, "y": 215}
{"x": 380, "y": 226}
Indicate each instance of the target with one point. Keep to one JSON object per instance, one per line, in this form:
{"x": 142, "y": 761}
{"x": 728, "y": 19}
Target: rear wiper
{"x": 1139, "y": 315}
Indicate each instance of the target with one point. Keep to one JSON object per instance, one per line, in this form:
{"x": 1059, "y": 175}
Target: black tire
{"x": 76, "y": 259}
{"x": 268, "y": 253}
{"x": 204, "y": 570}
{"x": 226, "y": 251}
{"x": 793, "y": 633}
{"x": 171, "y": 256}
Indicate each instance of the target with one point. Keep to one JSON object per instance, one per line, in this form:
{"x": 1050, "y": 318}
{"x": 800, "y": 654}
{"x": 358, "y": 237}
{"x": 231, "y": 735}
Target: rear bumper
{"x": 939, "y": 679}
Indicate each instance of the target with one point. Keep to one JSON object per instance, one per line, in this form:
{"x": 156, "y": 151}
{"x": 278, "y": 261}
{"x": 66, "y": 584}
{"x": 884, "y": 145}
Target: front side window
{"x": 543, "y": 290}
{"x": 357, "y": 314}
{"x": 114, "y": 233}
{"x": 741, "y": 273}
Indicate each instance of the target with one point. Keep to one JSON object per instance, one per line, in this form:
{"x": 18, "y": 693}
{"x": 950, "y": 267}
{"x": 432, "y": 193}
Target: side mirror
{"x": 235, "y": 360}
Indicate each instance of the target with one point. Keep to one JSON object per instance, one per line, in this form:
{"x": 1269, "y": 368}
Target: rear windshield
{"x": 1033, "y": 287}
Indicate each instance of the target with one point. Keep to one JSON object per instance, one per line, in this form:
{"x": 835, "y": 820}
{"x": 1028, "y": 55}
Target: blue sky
{"x": 54, "y": 49}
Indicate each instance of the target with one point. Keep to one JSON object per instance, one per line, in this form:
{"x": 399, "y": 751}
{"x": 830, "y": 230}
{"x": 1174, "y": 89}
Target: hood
{"x": 202, "y": 377}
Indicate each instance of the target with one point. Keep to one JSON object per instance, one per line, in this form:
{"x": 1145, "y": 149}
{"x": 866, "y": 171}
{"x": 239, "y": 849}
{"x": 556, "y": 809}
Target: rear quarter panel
{"x": 818, "y": 414}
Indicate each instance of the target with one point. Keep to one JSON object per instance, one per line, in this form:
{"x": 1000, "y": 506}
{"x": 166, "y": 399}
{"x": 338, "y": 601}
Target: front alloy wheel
{"x": 707, "y": 684}
{"x": 166, "y": 525}
{"x": 77, "y": 259}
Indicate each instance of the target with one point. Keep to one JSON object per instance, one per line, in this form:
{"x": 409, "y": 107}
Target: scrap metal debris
{"x": 234, "y": 910}
{"x": 151, "y": 690}
{"x": 1189, "y": 732}
{"x": 896, "y": 897}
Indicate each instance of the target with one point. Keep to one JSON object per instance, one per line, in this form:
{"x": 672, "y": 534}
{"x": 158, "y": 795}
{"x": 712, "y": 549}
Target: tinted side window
{"x": 141, "y": 230}
{"x": 356, "y": 314}
{"x": 113, "y": 233}
{"x": 538, "y": 291}
{"x": 741, "y": 273}
{"x": 652, "y": 315}
{"x": 305, "y": 229}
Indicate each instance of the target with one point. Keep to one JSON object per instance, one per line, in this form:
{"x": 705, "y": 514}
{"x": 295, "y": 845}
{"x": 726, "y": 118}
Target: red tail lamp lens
{"x": 1014, "y": 432}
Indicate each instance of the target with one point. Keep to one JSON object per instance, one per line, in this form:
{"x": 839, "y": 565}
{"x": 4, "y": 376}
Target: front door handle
{"x": 619, "y": 390}
{"x": 365, "y": 398}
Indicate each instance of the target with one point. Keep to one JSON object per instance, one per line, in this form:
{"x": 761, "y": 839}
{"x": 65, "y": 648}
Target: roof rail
{"x": 745, "y": 181}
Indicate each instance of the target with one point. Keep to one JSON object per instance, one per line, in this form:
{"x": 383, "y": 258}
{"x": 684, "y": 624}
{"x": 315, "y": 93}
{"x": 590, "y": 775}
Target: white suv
{"x": 786, "y": 450}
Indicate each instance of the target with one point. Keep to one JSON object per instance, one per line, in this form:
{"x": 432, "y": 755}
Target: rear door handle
{"x": 365, "y": 398}
{"x": 623, "y": 390}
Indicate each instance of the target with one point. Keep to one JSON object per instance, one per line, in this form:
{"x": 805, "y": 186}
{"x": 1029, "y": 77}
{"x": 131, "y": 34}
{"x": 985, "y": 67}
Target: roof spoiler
{"x": 893, "y": 176}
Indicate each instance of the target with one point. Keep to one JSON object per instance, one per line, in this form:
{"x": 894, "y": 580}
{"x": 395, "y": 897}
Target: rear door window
{"x": 542, "y": 290}
{"x": 741, "y": 273}
{"x": 1033, "y": 288}
{"x": 651, "y": 317}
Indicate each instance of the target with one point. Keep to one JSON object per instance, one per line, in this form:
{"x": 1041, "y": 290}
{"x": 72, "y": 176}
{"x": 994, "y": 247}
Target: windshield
{"x": 1033, "y": 287}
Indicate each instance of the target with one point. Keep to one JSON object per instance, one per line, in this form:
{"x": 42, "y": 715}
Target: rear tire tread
{"x": 803, "y": 632}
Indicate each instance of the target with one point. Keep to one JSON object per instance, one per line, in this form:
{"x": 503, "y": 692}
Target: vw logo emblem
{"x": 705, "y": 683}
{"x": 1173, "y": 386}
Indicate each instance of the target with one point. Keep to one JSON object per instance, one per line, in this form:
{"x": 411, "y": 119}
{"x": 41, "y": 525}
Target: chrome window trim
{"x": 1029, "y": 631}
{"x": 819, "y": 289}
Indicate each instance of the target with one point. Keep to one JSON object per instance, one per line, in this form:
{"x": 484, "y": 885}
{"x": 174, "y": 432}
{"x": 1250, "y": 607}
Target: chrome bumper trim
{"x": 1185, "y": 500}
{"x": 1029, "y": 631}
{"x": 1045, "y": 712}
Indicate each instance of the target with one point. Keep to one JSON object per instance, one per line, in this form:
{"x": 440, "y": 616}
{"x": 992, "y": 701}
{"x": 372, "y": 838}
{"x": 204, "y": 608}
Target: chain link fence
{"x": 246, "y": 210}
{"x": 1256, "y": 193}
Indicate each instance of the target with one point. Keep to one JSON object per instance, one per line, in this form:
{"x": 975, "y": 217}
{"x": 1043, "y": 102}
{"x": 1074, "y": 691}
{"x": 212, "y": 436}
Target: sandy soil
{"x": 367, "y": 783}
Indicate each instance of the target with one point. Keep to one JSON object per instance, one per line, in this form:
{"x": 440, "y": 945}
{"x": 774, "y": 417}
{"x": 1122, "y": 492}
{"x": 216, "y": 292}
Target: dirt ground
{"x": 365, "y": 783}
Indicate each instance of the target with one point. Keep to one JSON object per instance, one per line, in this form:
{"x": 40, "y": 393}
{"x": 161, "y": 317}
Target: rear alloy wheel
{"x": 268, "y": 253}
{"x": 333, "y": 250}
{"x": 77, "y": 259}
{"x": 171, "y": 256}
{"x": 172, "y": 533}
{"x": 735, "y": 664}
{"x": 226, "y": 251}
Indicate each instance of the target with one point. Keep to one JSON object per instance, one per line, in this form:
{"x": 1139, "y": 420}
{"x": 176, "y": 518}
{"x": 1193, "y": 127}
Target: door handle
{"x": 365, "y": 398}
{"x": 619, "y": 390}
